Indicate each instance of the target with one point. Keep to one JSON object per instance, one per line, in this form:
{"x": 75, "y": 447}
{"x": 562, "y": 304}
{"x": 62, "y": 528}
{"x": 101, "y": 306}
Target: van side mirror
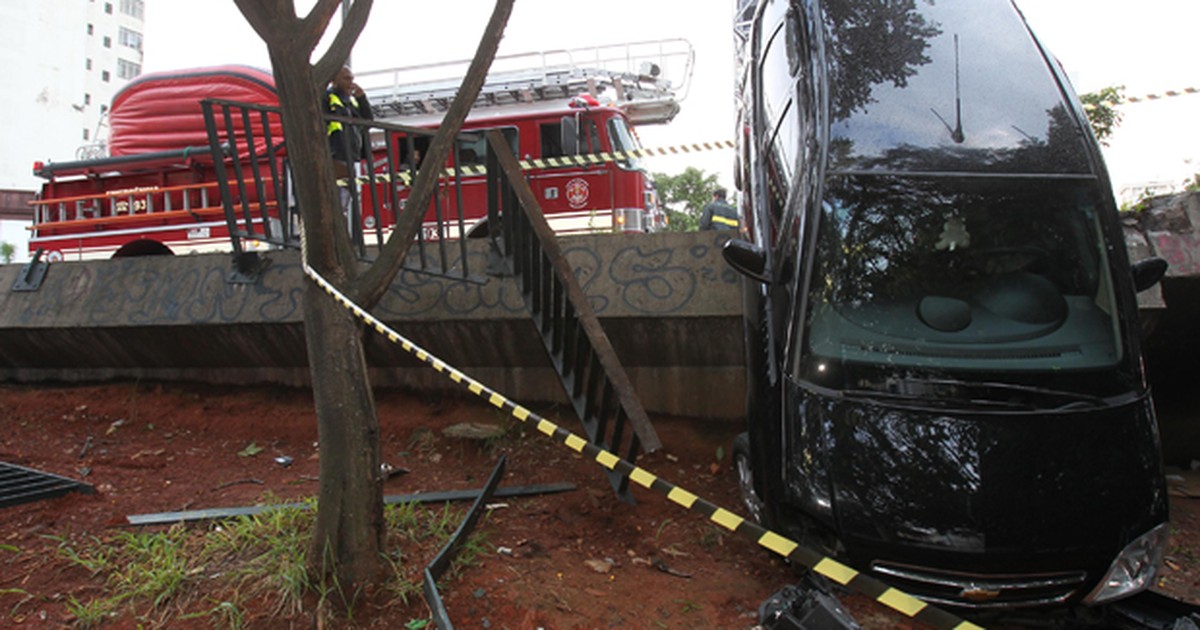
{"x": 1148, "y": 272}
{"x": 747, "y": 259}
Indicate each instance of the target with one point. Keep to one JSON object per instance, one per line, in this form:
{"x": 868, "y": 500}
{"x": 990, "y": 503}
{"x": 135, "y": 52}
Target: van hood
{"x": 919, "y": 487}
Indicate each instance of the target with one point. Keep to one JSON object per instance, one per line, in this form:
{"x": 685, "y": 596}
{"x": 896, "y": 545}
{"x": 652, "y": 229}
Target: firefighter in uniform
{"x": 345, "y": 98}
{"x": 718, "y": 214}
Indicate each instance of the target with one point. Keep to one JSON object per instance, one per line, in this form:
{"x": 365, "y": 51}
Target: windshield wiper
{"x": 922, "y": 401}
{"x": 1033, "y": 396}
{"x": 945, "y": 393}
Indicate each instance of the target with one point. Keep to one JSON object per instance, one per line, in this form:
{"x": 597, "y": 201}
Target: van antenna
{"x": 956, "y": 134}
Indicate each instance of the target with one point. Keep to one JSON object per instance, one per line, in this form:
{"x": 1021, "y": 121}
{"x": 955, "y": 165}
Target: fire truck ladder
{"x": 646, "y": 79}
{"x": 259, "y": 206}
{"x": 598, "y": 387}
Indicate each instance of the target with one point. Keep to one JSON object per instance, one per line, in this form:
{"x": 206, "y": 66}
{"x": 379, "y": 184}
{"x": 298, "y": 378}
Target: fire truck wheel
{"x": 143, "y": 247}
{"x": 478, "y": 230}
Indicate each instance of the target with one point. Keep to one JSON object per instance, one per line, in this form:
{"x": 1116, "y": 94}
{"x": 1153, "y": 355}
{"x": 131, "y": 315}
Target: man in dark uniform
{"x": 718, "y": 214}
{"x": 345, "y": 98}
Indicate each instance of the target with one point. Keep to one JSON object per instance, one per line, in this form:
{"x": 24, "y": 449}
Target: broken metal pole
{"x": 167, "y": 518}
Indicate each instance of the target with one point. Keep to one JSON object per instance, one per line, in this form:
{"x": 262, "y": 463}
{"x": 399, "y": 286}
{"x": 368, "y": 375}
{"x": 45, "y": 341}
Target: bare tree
{"x": 349, "y": 532}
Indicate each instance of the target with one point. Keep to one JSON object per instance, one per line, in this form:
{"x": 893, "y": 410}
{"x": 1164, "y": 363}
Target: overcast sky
{"x": 1146, "y": 46}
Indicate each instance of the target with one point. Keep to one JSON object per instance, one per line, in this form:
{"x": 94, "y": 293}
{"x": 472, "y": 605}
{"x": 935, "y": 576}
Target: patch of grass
{"x": 264, "y": 554}
{"x": 92, "y": 614}
{"x": 150, "y": 567}
{"x": 711, "y": 537}
{"x": 659, "y": 530}
{"x": 208, "y": 574}
{"x": 223, "y": 614}
{"x": 93, "y": 555}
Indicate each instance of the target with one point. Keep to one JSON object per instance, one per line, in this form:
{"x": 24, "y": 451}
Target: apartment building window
{"x": 85, "y": 134}
{"x": 89, "y": 63}
{"x": 91, "y": 29}
{"x": 128, "y": 69}
{"x": 107, "y": 41}
{"x": 133, "y": 8}
{"x": 87, "y": 99}
{"x": 108, "y": 8}
{"x": 105, "y": 76}
{"x": 130, "y": 38}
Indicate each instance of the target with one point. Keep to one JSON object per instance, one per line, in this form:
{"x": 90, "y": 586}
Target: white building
{"x": 63, "y": 60}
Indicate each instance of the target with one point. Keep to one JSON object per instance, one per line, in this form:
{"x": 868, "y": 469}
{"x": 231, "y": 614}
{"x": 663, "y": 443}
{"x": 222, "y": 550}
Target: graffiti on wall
{"x": 640, "y": 277}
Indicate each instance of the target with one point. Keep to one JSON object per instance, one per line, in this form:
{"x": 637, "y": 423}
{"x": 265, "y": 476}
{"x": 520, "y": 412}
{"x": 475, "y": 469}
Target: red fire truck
{"x": 156, "y": 192}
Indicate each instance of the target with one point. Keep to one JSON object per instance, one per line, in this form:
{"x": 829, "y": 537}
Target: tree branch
{"x": 271, "y": 19}
{"x": 333, "y": 59}
{"x": 371, "y": 286}
{"x": 276, "y": 22}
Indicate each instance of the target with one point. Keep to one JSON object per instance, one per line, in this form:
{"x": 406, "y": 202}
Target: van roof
{"x": 946, "y": 87}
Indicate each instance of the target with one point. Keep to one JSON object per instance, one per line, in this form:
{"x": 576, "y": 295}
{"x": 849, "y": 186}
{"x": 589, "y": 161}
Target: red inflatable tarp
{"x": 161, "y": 111}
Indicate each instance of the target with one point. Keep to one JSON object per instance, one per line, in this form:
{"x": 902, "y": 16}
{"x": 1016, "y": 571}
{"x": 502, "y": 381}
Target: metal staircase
{"x": 23, "y": 485}
{"x": 645, "y": 79}
{"x": 597, "y": 386}
{"x": 258, "y": 207}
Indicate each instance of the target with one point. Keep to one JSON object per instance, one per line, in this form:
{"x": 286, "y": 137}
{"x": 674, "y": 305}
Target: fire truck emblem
{"x": 577, "y": 192}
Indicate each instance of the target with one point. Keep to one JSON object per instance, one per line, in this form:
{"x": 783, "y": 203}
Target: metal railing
{"x": 260, "y": 204}
{"x": 591, "y": 374}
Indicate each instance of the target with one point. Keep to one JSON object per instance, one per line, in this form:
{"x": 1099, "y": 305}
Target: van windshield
{"x": 961, "y": 275}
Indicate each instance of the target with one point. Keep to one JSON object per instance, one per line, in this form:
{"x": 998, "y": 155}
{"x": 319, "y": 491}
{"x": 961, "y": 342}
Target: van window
{"x": 916, "y": 272}
{"x": 780, "y": 142}
{"x": 903, "y": 84}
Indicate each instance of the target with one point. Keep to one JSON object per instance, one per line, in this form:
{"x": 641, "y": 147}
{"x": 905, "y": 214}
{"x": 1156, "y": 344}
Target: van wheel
{"x": 745, "y": 474}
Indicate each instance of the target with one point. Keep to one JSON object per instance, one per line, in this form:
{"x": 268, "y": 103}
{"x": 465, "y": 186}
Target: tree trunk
{"x": 348, "y": 537}
{"x": 349, "y": 533}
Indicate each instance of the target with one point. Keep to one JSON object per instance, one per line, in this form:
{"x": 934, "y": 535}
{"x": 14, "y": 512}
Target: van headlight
{"x": 1133, "y": 569}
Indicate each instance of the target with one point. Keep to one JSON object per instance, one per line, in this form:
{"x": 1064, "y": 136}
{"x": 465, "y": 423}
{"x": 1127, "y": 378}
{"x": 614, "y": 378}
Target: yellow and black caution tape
{"x": 1160, "y": 95}
{"x": 587, "y": 159}
{"x": 824, "y": 565}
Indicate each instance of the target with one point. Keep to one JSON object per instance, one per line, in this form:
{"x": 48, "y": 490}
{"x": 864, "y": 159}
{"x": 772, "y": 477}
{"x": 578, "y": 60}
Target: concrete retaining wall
{"x": 668, "y": 302}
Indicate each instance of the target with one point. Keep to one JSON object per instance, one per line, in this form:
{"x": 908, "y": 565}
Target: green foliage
{"x": 7, "y": 251}
{"x": 684, "y": 197}
{"x": 1101, "y": 109}
{"x": 1192, "y": 184}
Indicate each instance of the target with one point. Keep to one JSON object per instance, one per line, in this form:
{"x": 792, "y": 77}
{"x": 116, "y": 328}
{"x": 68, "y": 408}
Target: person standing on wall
{"x": 718, "y": 214}
{"x": 346, "y": 99}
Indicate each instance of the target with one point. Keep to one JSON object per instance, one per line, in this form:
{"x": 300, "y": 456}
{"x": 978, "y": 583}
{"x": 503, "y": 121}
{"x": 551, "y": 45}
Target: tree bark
{"x": 349, "y": 533}
{"x": 348, "y": 536}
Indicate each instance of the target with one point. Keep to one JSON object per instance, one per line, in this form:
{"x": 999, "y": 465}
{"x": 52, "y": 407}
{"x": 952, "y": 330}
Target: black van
{"x": 945, "y": 378}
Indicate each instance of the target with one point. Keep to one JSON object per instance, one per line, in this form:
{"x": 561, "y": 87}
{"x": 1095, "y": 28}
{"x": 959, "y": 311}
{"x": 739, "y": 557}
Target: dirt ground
{"x": 579, "y": 559}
